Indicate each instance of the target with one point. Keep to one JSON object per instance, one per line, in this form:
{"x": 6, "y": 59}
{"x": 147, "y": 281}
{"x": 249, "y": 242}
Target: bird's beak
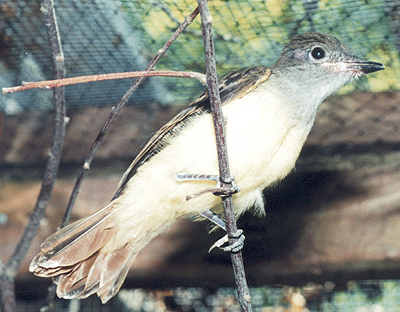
{"x": 364, "y": 67}
{"x": 357, "y": 67}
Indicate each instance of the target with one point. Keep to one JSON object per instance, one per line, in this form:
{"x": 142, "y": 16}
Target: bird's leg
{"x": 235, "y": 247}
{"x": 214, "y": 218}
{"x": 229, "y": 187}
{"x": 183, "y": 176}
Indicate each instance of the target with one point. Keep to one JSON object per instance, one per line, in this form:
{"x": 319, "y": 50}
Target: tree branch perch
{"x": 224, "y": 172}
{"x": 10, "y": 269}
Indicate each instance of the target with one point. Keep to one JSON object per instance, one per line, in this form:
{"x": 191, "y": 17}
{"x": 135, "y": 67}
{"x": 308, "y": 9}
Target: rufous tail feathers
{"x": 73, "y": 257}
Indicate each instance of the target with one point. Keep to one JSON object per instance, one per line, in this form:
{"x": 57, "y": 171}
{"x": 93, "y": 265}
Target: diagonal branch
{"x": 225, "y": 176}
{"x": 89, "y": 158}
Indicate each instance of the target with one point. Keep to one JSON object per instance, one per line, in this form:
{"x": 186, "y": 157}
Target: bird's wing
{"x": 231, "y": 87}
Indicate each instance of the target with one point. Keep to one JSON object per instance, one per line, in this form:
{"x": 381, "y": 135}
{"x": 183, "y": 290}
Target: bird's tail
{"x": 73, "y": 257}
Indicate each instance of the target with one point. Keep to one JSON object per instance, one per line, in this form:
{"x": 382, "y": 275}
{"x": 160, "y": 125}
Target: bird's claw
{"x": 235, "y": 247}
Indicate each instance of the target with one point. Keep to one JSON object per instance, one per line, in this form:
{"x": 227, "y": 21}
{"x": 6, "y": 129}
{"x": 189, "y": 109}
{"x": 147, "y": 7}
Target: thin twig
{"x": 49, "y": 84}
{"x": 11, "y": 267}
{"x": 7, "y": 293}
{"x": 224, "y": 172}
{"x": 188, "y": 20}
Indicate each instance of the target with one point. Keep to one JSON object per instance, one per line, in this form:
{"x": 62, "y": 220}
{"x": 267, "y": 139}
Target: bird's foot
{"x": 223, "y": 188}
{"x": 236, "y": 246}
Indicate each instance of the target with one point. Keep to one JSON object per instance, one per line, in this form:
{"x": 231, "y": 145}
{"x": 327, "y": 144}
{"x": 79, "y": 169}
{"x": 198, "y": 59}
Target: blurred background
{"x": 330, "y": 237}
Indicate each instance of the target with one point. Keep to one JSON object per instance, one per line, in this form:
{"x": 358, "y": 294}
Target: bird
{"x": 268, "y": 114}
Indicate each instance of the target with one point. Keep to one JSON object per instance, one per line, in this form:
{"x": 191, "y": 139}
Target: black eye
{"x": 318, "y": 53}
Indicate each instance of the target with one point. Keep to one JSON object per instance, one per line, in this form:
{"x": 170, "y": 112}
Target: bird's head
{"x": 320, "y": 64}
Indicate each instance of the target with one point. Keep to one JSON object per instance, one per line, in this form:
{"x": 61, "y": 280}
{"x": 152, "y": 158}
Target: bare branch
{"x": 224, "y": 172}
{"x": 11, "y": 267}
{"x": 49, "y": 84}
{"x": 57, "y": 139}
{"x": 7, "y": 293}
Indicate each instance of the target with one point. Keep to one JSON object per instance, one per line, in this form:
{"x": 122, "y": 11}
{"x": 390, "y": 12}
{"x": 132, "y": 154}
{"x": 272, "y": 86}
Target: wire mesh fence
{"x": 112, "y": 36}
{"x": 101, "y": 36}
{"x": 355, "y": 296}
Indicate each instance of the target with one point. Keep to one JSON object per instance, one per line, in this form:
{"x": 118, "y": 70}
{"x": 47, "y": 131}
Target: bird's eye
{"x": 317, "y": 53}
